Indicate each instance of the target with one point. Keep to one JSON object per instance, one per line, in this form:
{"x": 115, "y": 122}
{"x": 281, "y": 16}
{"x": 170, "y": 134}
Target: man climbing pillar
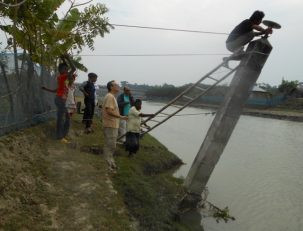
{"x": 243, "y": 33}
{"x": 226, "y": 119}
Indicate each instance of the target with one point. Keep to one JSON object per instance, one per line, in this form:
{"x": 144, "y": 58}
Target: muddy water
{"x": 259, "y": 176}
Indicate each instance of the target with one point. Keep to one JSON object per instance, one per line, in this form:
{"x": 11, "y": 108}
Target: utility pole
{"x": 225, "y": 121}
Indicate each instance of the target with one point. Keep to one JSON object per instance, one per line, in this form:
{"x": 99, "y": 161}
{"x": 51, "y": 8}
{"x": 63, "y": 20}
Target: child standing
{"x": 70, "y": 100}
{"x": 63, "y": 80}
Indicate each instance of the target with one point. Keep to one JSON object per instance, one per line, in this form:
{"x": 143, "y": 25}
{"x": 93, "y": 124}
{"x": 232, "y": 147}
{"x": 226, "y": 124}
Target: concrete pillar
{"x": 226, "y": 119}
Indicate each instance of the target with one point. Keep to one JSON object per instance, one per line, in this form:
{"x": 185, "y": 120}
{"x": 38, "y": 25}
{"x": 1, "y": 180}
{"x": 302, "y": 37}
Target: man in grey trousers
{"x": 111, "y": 118}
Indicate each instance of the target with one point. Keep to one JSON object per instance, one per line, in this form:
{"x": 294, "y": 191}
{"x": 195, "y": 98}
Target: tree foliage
{"x": 37, "y": 28}
{"x": 269, "y": 88}
{"x": 171, "y": 91}
{"x": 288, "y": 87}
{"x": 164, "y": 91}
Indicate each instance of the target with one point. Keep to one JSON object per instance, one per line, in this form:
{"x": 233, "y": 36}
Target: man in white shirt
{"x": 133, "y": 127}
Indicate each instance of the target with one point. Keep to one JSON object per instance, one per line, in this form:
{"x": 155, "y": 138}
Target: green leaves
{"x": 37, "y": 28}
{"x": 287, "y": 87}
{"x": 92, "y": 23}
{"x": 79, "y": 65}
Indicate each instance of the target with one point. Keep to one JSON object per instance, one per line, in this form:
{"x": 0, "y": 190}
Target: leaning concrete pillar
{"x": 226, "y": 118}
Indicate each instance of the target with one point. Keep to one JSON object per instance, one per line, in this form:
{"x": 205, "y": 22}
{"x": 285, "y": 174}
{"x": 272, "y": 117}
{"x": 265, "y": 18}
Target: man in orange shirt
{"x": 111, "y": 119}
{"x": 63, "y": 119}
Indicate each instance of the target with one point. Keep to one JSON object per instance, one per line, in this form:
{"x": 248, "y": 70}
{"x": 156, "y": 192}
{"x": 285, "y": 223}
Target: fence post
{"x": 10, "y": 96}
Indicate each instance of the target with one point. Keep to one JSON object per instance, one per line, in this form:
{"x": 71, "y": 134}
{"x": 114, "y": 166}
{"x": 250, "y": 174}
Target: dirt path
{"x": 46, "y": 185}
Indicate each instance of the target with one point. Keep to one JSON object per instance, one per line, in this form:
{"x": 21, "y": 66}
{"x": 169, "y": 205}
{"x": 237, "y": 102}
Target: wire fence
{"x": 22, "y": 101}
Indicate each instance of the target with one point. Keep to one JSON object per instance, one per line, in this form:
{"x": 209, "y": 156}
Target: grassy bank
{"x": 148, "y": 188}
{"x": 46, "y": 185}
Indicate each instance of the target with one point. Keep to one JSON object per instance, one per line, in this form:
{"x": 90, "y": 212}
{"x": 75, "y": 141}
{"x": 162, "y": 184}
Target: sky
{"x": 206, "y": 15}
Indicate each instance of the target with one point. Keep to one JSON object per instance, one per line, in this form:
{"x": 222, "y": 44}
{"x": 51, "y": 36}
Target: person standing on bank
{"x": 243, "y": 33}
{"x": 132, "y": 143}
{"x": 110, "y": 119}
{"x": 89, "y": 100}
{"x": 65, "y": 77}
{"x": 71, "y": 100}
{"x": 125, "y": 102}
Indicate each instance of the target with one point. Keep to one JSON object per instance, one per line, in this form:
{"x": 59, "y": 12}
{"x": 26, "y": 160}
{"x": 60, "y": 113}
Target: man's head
{"x": 63, "y": 68}
{"x": 126, "y": 90}
{"x": 138, "y": 104}
{"x": 257, "y": 17}
{"x": 92, "y": 77}
{"x": 113, "y": 87}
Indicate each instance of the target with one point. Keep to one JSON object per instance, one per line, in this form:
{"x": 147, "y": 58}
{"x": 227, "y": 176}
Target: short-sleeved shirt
{"x": 134, "y": 120}
{"x": 62, "y": 89}
{"x": 110, "y": 121}
{"x": 126, "y": 106}
{"x": 244, "y": 27}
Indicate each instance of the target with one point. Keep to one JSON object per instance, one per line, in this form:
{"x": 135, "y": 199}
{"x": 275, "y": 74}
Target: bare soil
{"x": 47, "y": 185}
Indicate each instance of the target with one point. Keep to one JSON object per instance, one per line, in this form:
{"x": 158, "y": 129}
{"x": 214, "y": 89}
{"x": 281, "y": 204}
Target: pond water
{"x": 259, "y": 175}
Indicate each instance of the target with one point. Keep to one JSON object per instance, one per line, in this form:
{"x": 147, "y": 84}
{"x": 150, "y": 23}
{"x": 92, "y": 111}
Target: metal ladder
{"x": 184, "y": 99}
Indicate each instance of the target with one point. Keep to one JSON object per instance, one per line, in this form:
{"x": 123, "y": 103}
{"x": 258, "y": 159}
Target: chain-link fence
{"x": 22, "y": 101}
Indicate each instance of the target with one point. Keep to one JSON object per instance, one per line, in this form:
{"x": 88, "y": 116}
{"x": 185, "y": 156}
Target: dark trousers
{"x": 132, "y": 143}
{"x": 239, "y": 43}
{"x": 63, "y": 119}
{"x": 88, "y": 112}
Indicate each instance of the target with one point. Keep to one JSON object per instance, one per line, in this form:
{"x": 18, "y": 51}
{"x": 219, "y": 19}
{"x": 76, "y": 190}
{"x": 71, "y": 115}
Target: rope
{"x": 170, "y": 29}
{"x": 155, "y": 55}
{"x": 151, "y": 55}
{"x": 190, "y": 114}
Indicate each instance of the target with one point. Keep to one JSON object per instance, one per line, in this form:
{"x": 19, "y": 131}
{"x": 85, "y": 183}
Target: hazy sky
{"x": 206, "y": 15}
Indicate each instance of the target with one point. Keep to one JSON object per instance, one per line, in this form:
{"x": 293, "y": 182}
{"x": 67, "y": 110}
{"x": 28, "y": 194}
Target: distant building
{"x": 258, "y": 92}
{"x": 259, "y": 97}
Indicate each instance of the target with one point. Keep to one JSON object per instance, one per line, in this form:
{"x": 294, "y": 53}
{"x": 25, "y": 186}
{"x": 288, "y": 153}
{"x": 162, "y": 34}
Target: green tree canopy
{"x": 288, "y": 87}
{"x": 37, "y": 28}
